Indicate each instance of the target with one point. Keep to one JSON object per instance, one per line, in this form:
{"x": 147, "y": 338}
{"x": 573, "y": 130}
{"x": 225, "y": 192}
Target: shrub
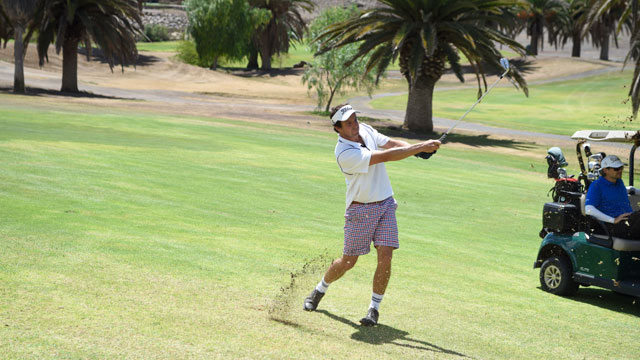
{"x": 187, "y": 53}
{"x": 156, "y": 32}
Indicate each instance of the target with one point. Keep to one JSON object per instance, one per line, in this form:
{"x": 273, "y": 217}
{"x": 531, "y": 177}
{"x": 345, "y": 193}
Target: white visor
{"x": 343, "y": 114}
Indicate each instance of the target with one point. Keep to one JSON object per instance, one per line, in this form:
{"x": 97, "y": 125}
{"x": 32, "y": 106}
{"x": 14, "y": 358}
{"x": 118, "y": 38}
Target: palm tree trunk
{"x": 70, "y": 66}
{"x": 604, "y": 46}
{"x": 418, "y": 116}
{"x": 533, "y": 46}
{"x": 266, "y": 48}
{"x": 18, "y": 55}
{"x": 577, "y": 43}
{"x": 265, "y": 56}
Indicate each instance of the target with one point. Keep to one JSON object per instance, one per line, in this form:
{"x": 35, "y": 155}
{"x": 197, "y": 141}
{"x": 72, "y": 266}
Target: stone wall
{"x": 322, "y": 4}
{"x": 174, "y": 19}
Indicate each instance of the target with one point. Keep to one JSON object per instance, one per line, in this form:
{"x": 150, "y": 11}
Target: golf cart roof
{"x": 607, "y": 135}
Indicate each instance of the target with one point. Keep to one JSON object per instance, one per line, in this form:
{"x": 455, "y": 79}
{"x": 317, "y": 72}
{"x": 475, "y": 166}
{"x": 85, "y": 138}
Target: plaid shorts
{"x": 370, "y": 222}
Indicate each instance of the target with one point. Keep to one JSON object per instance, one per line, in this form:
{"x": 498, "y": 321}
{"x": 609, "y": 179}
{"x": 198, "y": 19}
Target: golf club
{"x": 504, "y": 62}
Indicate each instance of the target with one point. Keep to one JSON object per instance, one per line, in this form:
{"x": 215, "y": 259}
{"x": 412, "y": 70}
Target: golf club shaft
{"x": 472, "y": 106}
{"x": 505, "y": 64}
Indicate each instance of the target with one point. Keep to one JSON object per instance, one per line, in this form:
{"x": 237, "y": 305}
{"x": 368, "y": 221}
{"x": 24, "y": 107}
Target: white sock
{"x": 322, "y": 286}
{"x": 376, "y": 299}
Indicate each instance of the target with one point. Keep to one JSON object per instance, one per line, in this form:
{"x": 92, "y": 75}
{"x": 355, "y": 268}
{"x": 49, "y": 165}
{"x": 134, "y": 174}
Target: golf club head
{"x": 504, "y": 62}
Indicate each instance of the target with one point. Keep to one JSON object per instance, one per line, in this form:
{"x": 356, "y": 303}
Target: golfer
{"x": 370, "y": 215}
{"x": 607, "y": 200}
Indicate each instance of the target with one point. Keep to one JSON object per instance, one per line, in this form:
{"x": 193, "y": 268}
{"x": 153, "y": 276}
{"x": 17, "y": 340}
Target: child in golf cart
{"x": 608, "y": 201}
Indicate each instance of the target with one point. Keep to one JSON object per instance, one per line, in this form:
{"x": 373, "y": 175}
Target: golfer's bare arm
{"x": 397, "y": 150}
{"x": 393, "y": 143}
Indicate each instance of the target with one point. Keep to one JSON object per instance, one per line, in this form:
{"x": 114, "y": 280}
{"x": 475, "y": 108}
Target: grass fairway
{"x": 139, "y": 235}
{"x": 160, "y": 46}
{"x": 594, "y": 102}
{"x": 300, "y": 52}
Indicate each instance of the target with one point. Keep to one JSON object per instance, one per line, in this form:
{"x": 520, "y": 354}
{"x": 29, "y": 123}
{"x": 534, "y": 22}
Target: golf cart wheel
{"x": 556, "y": 276}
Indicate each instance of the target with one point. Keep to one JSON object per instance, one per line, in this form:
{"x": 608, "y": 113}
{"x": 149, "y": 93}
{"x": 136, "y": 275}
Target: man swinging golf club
{"x": 370, "y": 215}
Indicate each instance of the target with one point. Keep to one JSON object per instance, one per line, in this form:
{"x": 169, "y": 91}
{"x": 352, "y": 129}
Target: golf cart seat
{"x": 600, "y": 234}
{"x": 634, "y": 199}
{"x": 625, "y": 244}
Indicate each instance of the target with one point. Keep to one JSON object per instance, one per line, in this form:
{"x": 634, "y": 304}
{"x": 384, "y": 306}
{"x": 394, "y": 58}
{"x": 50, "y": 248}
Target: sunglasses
{"x": 617, "y": 169}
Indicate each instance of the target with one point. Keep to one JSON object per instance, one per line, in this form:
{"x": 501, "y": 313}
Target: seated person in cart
{"x": 607, "y": 200}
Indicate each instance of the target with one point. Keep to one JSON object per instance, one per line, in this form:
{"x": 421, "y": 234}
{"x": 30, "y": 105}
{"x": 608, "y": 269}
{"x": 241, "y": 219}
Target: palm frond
{"x": 110, "y": 24}
{"x": 422, "y": 34}
{"x": 454, "y": 60}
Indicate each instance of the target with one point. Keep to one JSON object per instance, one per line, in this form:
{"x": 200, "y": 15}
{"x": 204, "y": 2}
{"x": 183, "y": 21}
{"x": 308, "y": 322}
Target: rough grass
{"x": 135, "y": 235}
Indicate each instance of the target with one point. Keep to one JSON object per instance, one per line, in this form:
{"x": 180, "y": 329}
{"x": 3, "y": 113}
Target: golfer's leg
{"x": 627, "y": 229}
{"x": 385, "y": 240}
{"x": 383, "y": 270}
{"x": 358, "y": 232}
{"x": 339, "y": 267}
{"x": 335, "y": 272}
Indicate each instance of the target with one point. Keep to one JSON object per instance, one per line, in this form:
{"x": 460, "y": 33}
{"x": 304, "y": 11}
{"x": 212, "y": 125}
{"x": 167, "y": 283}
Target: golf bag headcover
{"x": 555, "y": 160}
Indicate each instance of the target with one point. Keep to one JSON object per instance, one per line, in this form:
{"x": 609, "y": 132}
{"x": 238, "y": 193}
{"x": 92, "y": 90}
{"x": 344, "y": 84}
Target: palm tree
{"x": 509, "y": 23}
{"x": 111, "y": 24}
{"x": 286, "y": 24}
{"x": 574, "y": 26}
{"x": 423, "y": 36}
{"x": 603, "y": 25}
{"x": 541, "y": 14}
{"x": 21, "y": 14}
{"x": 634, "y": 54}
{"x": 629, "y": 19}
{"x": 6, "y": 31}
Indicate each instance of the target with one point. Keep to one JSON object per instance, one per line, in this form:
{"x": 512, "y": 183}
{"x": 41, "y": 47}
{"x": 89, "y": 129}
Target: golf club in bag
{"x": 504, "y": 62}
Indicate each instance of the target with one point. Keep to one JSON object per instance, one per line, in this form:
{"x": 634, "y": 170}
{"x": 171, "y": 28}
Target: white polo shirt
{"x": 364, "y": 183}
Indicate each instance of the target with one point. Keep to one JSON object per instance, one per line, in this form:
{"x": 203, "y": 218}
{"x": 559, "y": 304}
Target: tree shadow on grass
{"x": 243, "y": 72}
{"x": 607, "y": 299}
{"x": 32, "y": 91}
{"x": 383, "y": 334}
{"x": 472, "y": 140}
{"x": 98, "y": 55}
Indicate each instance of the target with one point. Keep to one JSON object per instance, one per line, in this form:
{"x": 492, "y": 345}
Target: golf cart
{"x": 578, "y": 249}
